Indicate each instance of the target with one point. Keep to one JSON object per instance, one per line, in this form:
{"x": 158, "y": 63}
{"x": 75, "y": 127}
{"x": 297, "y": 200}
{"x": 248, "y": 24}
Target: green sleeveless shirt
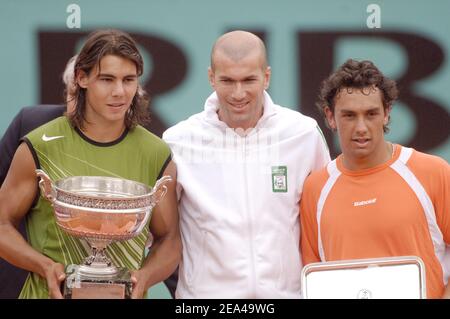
{"x": 63, "y": 151}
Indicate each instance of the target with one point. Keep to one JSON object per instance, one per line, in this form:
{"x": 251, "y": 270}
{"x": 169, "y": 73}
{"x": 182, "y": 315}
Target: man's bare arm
{"x": 166, "y": 249}
{"x": 16, "y": 197}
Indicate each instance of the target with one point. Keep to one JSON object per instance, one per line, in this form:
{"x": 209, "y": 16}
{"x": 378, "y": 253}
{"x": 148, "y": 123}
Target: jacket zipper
{"x": 249, "y": 223}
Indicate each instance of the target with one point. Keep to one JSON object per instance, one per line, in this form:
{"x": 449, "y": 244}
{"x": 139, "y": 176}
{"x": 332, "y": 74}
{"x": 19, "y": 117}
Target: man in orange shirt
{"x": 377, "y": 199}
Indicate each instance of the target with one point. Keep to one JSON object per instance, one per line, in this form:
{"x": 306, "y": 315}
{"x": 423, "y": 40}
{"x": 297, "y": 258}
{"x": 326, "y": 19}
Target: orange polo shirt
{"x": 374, "y": 213}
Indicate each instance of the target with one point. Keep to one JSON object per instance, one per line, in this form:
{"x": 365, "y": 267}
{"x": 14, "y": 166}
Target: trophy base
{"x": 79, "y": 285}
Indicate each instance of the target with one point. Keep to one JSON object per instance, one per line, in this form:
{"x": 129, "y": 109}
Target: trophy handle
{"x": 46, "y": 185}
{"x": 159, "y": 190}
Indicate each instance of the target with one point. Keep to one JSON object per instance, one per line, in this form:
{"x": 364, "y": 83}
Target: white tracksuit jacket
{"x": 239, "y": 196}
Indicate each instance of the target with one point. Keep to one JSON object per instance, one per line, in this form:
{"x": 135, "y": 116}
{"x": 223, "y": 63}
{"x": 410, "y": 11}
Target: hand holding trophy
{"x": 100, "y": 210}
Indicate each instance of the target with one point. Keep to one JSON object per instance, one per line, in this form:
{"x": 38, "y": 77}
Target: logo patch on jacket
{"x": 279, "y": 179}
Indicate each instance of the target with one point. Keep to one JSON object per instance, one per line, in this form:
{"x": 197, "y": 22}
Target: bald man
{"x": 241, "y": 166}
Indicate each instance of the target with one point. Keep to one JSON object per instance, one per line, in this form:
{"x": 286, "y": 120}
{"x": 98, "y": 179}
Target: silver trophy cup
{"x": 100, "y": 210}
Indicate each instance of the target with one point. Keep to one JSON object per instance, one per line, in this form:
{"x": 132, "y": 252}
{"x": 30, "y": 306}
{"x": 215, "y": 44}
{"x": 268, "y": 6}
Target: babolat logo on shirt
{"x": 279, "y": 179}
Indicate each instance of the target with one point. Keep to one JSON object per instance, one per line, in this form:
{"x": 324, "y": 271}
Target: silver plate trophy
{"x": 374, "y": 278}
{"x": 100, "y": 210}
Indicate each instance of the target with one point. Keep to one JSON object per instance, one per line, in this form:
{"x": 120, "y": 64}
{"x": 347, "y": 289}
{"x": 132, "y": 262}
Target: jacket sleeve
{"x": 322, "y": 155}
{"x": 9, "y": 143}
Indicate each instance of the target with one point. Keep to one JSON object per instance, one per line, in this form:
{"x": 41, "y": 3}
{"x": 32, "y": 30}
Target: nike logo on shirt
{"x": 46, "y": 138}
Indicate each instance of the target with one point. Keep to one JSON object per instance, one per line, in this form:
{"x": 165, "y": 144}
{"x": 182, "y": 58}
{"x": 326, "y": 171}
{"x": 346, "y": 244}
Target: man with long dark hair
{"x": 100, "y": 137}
